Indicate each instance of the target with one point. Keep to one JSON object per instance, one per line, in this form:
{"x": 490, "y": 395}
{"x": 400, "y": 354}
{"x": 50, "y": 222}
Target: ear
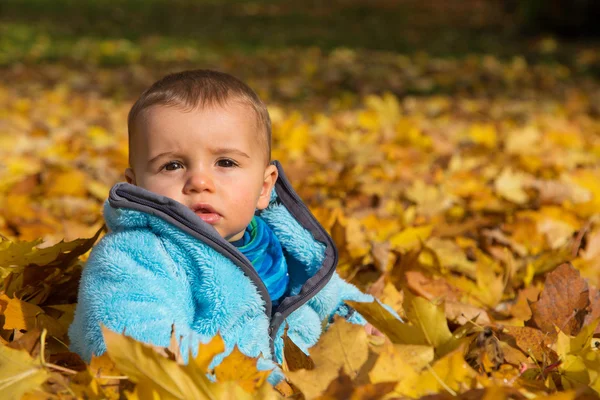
{"x": 130, "y": 176}
{"x": 271, "y": 175}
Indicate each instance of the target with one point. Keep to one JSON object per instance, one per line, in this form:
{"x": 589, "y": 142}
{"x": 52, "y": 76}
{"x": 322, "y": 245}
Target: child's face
{"x": 210, "y": 159}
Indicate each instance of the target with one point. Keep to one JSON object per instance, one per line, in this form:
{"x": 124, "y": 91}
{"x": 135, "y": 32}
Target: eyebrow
{"x": 228, "y": 150}
{"x": 219, "y": 150}
{"x": 154, "y": 159}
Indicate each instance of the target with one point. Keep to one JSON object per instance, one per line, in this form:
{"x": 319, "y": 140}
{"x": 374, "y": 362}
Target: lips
{"x": 207, "y": 213}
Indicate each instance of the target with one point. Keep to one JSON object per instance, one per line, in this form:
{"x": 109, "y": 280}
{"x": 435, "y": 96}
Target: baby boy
{"x": 207, "y": 233}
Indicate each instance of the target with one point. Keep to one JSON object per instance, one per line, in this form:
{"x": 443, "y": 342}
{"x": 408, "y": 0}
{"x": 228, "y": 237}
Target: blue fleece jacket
{"x": 160, "y": 265}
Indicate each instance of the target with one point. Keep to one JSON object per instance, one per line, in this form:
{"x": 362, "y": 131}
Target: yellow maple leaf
{"x": 484, "y": 134}
{"x": 396, "y": 330}
{"x": 22, "y": 315}
{"x": 450, "y": 374}
{"x": 19, "y": 373}
{"x": 157, "y": 376}
{"x": 430, "y": 318}
{"x": 411, "y": 238}
{"x": 510, "y": 186}
{"x": 345, "y": 346}
{"x": 393, "y": 365}
{"x": 238, "y": 367}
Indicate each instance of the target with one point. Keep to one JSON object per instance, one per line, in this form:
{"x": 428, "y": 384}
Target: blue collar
{"x": 260, "y": 245}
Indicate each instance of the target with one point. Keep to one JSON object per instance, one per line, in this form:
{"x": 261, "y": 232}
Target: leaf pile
{"x": 463, "y": 193}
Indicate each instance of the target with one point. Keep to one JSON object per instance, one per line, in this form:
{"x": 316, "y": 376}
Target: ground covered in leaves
{"x": 464, "y": 192}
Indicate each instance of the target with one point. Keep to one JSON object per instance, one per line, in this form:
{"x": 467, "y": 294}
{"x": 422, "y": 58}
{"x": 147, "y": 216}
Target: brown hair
{"x": 201, "y": 88}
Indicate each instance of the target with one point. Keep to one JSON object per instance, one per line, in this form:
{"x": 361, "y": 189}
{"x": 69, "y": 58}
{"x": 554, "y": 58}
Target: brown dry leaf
{"x": 563, "y": 302}
{"x": 461, "y": 313}
{"x": 30, "y": 342}
{"x": 485, "y": 353}
{"x": 344, "y": 388}
{"x": 595, "y": 308}
{"x": 429, "y": 287}
{"x": 521, "y": 309}
{"x": 513, "y": 355}
{"x": 294, "y": 358}
{"x": 67, "y": 313}
{"x": 533, "y": 342}
{"x": 339, "y": 388}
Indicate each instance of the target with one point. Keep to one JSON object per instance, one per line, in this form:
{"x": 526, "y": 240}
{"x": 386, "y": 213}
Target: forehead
{"x": 235, "y": 121}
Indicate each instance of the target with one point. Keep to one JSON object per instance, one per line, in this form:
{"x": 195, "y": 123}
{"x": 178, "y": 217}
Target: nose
{"x": 199, "y": 181}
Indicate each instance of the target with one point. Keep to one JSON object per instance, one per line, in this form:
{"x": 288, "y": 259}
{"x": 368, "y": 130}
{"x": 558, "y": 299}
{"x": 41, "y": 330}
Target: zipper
{"x": 284, "y": 310}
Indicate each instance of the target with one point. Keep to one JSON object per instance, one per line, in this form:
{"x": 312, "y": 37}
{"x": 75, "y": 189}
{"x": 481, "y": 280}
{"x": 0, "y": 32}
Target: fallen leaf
{"x": 19, "y": 373}
{"x": 510, "y": 186}
{"x": 563, "y": 302}
{"x": 238, "y": 367}
{"x": 448, "y": 373}
{"x": 343, "y": 388}
{"x": 29, "y": 342}
{"x": 398, "y": 362}
{"x": 154, "y": 374}
{"x": 22, "y": 315}
{"x": 533, "y": 342}
{"x": 294, "y": 358}
{"x": 430, "y": 318}
{"x": 431, "y": 287}
{"x": 392, "y": 327}
{"x": 345, "y": 346}
{"x": 463, "y": 312}
{"x": 208, "y": 352}
{"x": 410, "y": 238}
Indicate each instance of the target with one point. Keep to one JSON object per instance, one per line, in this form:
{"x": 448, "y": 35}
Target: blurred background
{"x": 382, "y": 93}
{"x": 450, "y": 147}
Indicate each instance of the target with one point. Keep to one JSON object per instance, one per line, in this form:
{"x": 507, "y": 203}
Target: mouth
{"x": 207, "y": 213}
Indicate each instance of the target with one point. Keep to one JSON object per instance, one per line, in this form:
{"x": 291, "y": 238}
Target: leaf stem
{"x": 59, "y": 368}
{"x": 440, "y": 381}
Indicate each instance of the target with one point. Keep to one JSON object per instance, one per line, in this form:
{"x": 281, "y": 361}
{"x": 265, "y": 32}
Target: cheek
{"x": 165, "y": 187}
{"x": 244, "y": 197}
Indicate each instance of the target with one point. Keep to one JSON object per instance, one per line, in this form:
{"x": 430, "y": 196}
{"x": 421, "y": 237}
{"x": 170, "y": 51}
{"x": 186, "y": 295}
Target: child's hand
{"x": 371, "y": 330}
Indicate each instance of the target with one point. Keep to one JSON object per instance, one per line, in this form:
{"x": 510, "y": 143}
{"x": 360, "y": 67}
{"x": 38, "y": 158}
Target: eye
{"x": 226, "y": 163}
{"x": 172, "y": 166}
